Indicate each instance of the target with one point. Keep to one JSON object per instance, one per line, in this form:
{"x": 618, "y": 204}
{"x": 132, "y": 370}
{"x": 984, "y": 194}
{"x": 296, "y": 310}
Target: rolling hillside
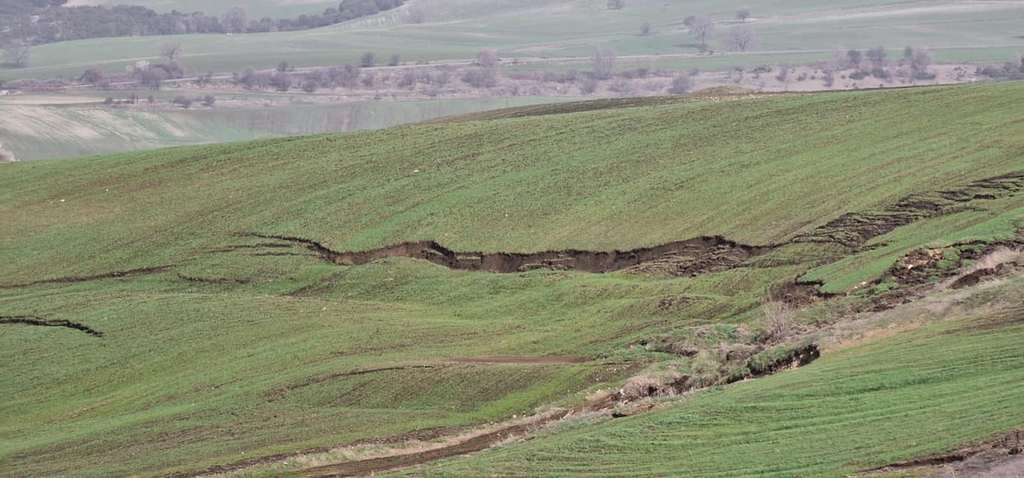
{"x": 248, "y": 307}
{"x": 978, "y": 31}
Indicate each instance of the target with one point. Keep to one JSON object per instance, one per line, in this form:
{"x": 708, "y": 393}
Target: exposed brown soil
{"x": 471, "y": 445}
{"x": 214, "y": 280}
{"x": 798, "y": 294}
{"x": 971, "y": 461}
{"x": 75, "y": 279}
{"x": 855, "y": 229}
{"x": 918, "y": 271}
{"x": 41, "y": 322}
{"x": 546, "y": 360}
{"x": 702, "y": 254}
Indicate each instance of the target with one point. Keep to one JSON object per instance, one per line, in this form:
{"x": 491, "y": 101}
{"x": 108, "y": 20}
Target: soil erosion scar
{"x": 856, "y": 228}
{"x": 41, "y": 322}
{"x": 692, "y": 256}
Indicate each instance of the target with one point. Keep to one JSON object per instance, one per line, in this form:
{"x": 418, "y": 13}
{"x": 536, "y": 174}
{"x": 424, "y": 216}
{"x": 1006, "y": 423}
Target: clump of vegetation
{"x": 681, "y": 84}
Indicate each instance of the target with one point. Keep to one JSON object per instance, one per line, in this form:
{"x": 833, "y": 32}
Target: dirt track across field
{"x": 473, "y": 444}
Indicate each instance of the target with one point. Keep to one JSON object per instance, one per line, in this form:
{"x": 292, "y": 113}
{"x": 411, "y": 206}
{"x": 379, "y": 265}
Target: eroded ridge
{"x": 689, "y": 257}
{"x": 857, "y": 228}
{"x": 41, "y": 322}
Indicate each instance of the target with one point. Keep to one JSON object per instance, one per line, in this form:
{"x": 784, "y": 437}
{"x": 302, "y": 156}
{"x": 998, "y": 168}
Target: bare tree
{"x": 395, "y": 60}
{"x": 877, "y": 57}
{"x": 487, "y": 58}
{"x": 171, "y": 52}
{"x": 742, "y": 38}
{"x": 743, "y": 14}
{"x": 701, "y": 27}
{"x": 783, "y": 76}
{"x": 604, "y": 63}
{"x": 92, "y": 76}
{"x": 416, "y": 14}
{"x": 17, "y": 54}
{"x": 235, "y": 20}
{"x": 920, "y": 60}
{"x": 828, "y": 77}
{"x": 681, "y": 84}
{"x": 854, "y": 58}
{"x": 369, "y": 59}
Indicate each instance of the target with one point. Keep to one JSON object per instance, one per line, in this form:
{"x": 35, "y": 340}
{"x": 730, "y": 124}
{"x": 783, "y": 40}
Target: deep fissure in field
{"x": 857, "y": 228}
{"x": 41, "y": 322}
{"x": 680, "y": 258}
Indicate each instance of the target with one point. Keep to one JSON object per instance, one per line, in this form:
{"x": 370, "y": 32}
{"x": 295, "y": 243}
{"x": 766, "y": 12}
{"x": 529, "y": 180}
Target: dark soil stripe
{"x": 41, "y": 322}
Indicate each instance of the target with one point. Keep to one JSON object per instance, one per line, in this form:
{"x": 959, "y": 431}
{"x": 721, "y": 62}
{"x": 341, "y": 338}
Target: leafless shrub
{"x": 416, "y": 14}
{"x": 480, "y": 77}
{"x": 741, "y": 38}
{"x": 621, "y": 87}
{"x": 6, "y": 156}
{"x": 681, "y": 84}
{"x": 17, "y": 54}
{"x": 407, "y": 80}
{"x": 701, "y": 27}
{"x": 171, "y": 52}
{"x": 369, "y": 79}
{"x": 487, "y": 58}
{"x": 588, "y": 86}
{"x": 645, "y": 386}
{"x": 182, "y": 101}
{"x": 777, "y": 317}
{"x": 604, "y": 63}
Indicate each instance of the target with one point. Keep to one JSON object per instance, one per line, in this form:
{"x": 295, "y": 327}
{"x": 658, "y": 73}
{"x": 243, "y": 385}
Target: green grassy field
{"x": 230, "y": 347}
{"x": 459, "y": 29}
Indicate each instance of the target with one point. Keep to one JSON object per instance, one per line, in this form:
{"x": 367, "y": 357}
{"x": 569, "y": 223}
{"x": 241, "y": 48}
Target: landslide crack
{"x": 76, "y": 279}
{"x": 857, "y": 228}
{"x": 689, "y": 257}
{"x": 41, "y": 322}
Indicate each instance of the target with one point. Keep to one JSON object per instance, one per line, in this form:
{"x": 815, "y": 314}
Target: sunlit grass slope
{"x": 229, "y": 347}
